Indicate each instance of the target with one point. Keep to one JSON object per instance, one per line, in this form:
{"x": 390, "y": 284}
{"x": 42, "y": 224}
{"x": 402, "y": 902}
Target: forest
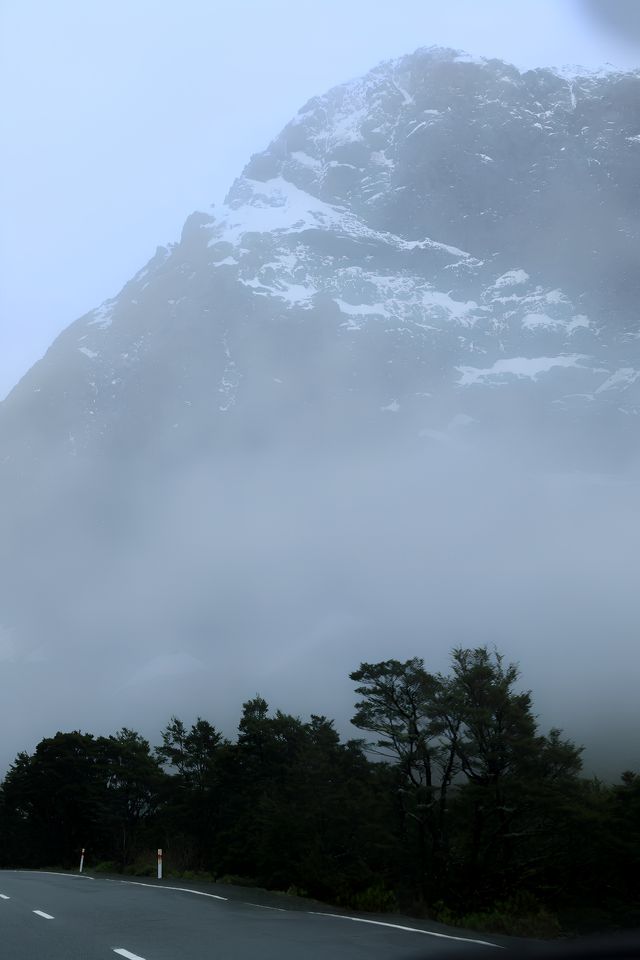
{"x": 452, "y": 805}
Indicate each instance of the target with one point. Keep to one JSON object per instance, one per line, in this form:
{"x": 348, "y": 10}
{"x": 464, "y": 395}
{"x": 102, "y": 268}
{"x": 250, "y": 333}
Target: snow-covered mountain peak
{"x": 443, "y": 226}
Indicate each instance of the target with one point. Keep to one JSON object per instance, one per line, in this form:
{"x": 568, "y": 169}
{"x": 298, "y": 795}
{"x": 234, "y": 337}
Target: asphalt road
{"x": 48, "y": 916}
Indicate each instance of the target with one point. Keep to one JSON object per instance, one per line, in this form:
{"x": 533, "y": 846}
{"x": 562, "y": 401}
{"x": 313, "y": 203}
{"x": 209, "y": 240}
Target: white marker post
{"x": 159, "y": 863}
{"x": 82, "y": 860}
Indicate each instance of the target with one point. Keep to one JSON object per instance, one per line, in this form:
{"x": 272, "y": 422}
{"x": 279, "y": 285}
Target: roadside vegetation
{"x": 453, "y": 806}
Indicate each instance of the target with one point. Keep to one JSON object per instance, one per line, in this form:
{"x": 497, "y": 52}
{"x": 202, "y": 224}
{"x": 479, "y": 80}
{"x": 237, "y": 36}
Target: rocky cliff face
{"x": 419, "y": 245}
{"x": 441, "y": 255}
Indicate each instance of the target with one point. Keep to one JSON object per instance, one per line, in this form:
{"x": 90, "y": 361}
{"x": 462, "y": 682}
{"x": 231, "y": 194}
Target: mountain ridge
{"x": 448, "y": 273}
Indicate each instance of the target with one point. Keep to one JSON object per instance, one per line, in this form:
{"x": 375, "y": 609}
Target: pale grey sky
{"x": 120, "y": 117}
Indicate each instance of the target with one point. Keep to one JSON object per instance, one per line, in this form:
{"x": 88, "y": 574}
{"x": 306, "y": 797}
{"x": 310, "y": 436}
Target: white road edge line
{"x": 263, "y": 906}
{"x": 315, "y": 913}
{"x": 155, "y": 886}
{"x": 3, "y": 896}
{"x": 127, "y": 953}
{"x": 51, "y": 873}
{"x": 45, "y": 916}
{"x": 397, "y": 926}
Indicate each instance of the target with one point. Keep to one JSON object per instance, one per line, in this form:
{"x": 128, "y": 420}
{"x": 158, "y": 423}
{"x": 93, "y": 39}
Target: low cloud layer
{"x": 280, "y": 575}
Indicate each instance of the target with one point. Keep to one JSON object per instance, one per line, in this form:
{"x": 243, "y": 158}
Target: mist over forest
{"x": 279, "y": 576}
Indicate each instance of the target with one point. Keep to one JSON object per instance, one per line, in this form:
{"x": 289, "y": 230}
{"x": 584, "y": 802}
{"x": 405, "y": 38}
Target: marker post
{"x": 159, "y": 863}
{"x": 82, "y": 860}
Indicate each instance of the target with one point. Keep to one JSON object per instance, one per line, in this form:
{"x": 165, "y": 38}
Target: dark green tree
{"x": 410, "y": 711}
{"x": 193, "y": 793}
{"x": 55, "y": 794}
{"x": 132, "y": 781}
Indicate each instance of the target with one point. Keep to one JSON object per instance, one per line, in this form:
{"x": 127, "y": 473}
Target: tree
{"x": 410, "y": 711}
{"x": 515, "y": 778}
{"x": 55, "y": 794}
{"x": 132, "y": 780}
{"x": 192, "y": 798}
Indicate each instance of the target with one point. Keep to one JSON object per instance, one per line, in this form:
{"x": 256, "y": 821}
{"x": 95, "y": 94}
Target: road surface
{"x": 50, "y": 916}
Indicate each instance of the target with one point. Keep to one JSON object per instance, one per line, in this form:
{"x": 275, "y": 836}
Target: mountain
{"x": 431, "y": 272}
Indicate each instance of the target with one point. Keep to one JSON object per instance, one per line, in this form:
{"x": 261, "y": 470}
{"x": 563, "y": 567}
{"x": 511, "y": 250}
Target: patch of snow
{"x": 576, "y": 322}
{"x": 280, "y": 207}
{"x": 511, "y": 278}
{"x": 347, "y": 128}
{"x": 621, "y": 379}
{"x": 227, "y": 262}
{"x": 306, "y": 161}
{"x": 92, "y": 354}
{"x": 287, "y": 260}
{"x": 406, "y": 97}
{"x": 533, "y": 320}
{"x": 380, "y": 158}
{"x": 361, "y": 309}
{"x": 415, "y": 129}
{"x": 428, "y": 244}
{"x": 102, "y": 315}
{"x": 293, "y": 293}
{"x": 461, "y": 57}
{"x": 530, "y": 367}
{"x": 392, "y": 407}
{"x": 555, "y": 296}
{"x": 457, "y": 309}
{"x": 276, "y": 205}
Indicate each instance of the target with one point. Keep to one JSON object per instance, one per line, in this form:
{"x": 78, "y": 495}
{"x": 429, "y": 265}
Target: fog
{"x": 130, "y": 592}
{"x": 279, "y": 574}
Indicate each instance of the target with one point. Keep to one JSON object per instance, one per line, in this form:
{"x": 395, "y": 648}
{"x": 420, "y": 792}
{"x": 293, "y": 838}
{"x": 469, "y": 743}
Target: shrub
{"x": 295, "y": 891}
{"x": 443, "y": 914}
{"x": 234, "y": 880}
{"x": 375, "y": 899}
{"x": 520, "y": 916}
{"x": 106, "y": 866}
{"x": 145, "y": 865}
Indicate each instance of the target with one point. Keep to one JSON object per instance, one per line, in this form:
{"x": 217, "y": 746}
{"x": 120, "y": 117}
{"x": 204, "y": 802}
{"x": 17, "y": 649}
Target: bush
{"x": 520, "y": 916}
{"x": 443, "y": 914}
{"x": 106, "y": 866}
{"x": 145, "y": 865}
{"x": 295, "y": 891}
{"x": 375, "y": 899}
{"x": 236, "y": 881}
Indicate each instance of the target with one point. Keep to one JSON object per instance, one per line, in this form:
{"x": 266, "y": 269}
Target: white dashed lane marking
{"x": 45, "y": 916}
{"x": 3, "y": 896}
{"x": 126, "y": 953}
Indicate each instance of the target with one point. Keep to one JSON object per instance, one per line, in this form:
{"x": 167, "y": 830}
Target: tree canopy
{"x": 456, "y": 800}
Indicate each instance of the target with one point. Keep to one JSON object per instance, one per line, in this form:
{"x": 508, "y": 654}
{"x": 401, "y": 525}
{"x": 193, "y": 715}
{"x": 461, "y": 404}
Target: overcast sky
{"x": 120, "y": 117}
